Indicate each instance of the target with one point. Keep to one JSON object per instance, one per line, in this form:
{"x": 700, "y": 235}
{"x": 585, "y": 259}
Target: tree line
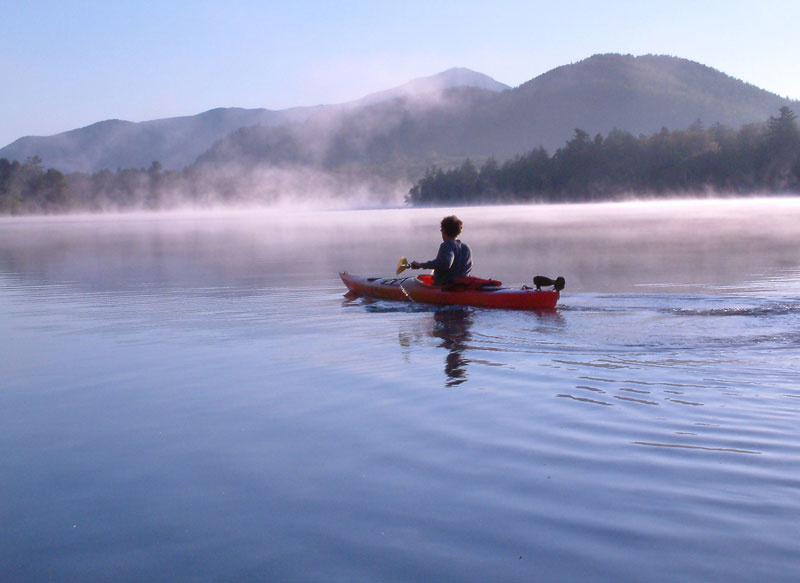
{"x": 27, "y": 188}
{"x": 758, "y": 158}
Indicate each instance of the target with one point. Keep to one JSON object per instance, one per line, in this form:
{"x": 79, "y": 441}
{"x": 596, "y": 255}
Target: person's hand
{"x": 415, "y": 265}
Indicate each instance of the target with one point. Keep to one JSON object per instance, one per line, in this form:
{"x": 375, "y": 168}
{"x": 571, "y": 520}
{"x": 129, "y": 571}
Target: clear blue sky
{"x": 69, "y": 63}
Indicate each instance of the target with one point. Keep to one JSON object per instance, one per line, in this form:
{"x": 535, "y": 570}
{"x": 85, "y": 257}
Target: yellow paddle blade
{"x": 403, "y": 265}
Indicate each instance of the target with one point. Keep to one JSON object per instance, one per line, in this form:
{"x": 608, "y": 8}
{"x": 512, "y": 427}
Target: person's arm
{"x": 444, "y": 259}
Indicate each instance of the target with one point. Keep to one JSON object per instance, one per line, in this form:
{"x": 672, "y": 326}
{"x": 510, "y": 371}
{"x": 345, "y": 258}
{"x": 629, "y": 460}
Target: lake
{"x": 189, "y": 397}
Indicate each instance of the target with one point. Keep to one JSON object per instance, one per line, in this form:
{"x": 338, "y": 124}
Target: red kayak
{"x": 421, "y": 289}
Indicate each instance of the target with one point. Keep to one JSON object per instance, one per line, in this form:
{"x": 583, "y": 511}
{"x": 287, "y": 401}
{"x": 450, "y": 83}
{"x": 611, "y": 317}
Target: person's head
{"x": 451, "y": 226}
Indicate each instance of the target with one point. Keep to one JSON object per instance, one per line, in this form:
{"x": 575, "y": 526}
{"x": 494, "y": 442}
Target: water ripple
{"x": 699, "y": 447}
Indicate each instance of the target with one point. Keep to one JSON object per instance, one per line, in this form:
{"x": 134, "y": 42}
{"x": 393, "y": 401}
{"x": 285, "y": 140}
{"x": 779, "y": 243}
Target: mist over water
{"x": 188, "y": 397}
{"x": 700, "y": 246}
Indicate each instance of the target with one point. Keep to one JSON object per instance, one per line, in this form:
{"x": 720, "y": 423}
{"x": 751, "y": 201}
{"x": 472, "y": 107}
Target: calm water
{"x": 189, "y": 398}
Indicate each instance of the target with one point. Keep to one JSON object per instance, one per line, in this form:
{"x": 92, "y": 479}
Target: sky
{"x": 67, "y": 64}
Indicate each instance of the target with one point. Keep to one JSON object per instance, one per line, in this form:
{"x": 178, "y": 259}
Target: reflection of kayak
{"x": 421, "y": 289}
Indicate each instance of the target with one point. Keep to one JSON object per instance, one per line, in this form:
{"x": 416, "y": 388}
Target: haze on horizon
{"x": 72, "y": 64}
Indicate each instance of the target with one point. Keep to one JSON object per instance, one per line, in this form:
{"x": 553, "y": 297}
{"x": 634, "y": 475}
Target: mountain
{"x": 640, "y": 95}
{"x": 176, "y": 142}
{"x": 438, "y": 120}
{"x": 452, "y": 78}
{"x": 390, "y": 138}
{"x": 398, "y": 138}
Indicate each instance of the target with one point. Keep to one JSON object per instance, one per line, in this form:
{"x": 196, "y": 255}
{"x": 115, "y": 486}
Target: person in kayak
{"x": 454, "y": 259}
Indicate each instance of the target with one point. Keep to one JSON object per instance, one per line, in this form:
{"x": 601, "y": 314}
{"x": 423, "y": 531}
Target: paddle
{"x": 403, "y": 265}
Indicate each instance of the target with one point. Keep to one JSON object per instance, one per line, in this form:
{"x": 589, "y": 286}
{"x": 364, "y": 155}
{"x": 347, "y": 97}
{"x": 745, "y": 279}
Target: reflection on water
{"x": 188, "y": 398}
{"x": 452, "y": 326}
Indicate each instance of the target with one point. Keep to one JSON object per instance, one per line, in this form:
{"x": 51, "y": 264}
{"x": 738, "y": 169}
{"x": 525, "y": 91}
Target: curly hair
{"x": 451, "y": 226}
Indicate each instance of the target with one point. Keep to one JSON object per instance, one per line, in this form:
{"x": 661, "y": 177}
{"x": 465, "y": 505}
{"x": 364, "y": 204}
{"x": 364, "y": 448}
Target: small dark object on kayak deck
{"x": 558, "y": 283}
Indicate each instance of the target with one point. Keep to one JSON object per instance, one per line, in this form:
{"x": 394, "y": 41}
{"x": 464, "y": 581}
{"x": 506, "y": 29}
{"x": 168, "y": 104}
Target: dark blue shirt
{"x": 454, "y": 260}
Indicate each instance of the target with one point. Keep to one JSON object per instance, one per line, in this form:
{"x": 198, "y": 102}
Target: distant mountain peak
{"x": 449, "y": 79}
{"x": 609, "y": 77}
{"x": 459, "y": 77}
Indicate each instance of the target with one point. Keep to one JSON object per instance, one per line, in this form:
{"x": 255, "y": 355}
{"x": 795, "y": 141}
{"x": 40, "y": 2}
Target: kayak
{"x": 421, "y": 289}
{"x": 389, "y": 288}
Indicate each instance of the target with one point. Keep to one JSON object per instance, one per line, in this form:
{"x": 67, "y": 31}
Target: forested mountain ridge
{"x": 177, "y": 142}
{"x": 124, "y": 144}
{"x": 607, "y": 127}
{"x": 757, "y": 159}
{"x": 393, "y": 139}
{"x": 639, "y": 95}
{"x": 437, "y": 120}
